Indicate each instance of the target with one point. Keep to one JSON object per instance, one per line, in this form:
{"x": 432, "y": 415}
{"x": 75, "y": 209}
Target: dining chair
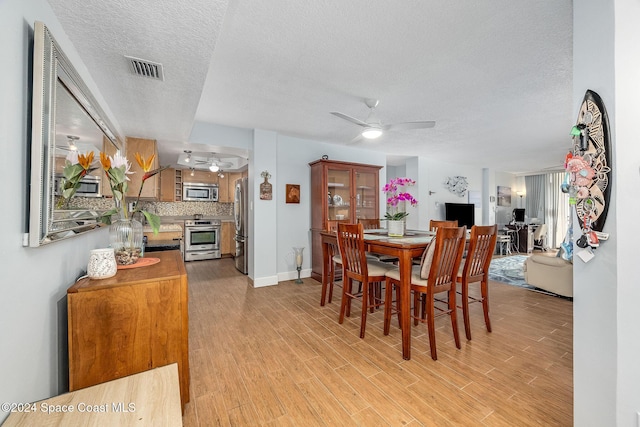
{"x": 437, "y": 274}
{"x": 356, "y": 267}
{"x": 476, "y": 270}
{"x": 374, "y": 224}
{"x": 435, "y": 224}
{"x": 335, "y": 264}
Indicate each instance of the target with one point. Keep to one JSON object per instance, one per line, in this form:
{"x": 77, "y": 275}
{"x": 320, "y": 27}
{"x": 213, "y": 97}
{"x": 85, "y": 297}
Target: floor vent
{"x": 144, "y": 68}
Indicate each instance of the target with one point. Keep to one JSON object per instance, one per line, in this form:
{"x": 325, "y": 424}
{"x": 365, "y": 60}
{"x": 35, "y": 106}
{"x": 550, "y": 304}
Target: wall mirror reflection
{"x": 66, "y": 119}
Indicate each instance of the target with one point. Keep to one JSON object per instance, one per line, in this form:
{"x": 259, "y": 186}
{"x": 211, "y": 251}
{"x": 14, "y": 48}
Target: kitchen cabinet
{"x": 146, "y": 148}
{"x": 227, "y": 187}
{"x": 200, "y": 176}
{"x": 227, "y": 242}
{"x": 340, "y": 191}
{"x": 171, "y": 185}
{"x": 132, "y": 322}
{"x": 167, "y": 185}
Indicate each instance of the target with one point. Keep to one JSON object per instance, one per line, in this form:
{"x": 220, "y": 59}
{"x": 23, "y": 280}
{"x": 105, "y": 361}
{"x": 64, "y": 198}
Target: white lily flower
{"x": 119, "y": 160}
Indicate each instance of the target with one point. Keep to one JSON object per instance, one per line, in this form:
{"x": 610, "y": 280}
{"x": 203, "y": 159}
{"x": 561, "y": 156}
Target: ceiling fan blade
{"x": 411, "y": 125}
{"x": 349, "y": 118}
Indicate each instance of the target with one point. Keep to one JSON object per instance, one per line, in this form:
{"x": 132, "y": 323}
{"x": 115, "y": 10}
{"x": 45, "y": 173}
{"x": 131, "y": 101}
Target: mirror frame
{"x": 50, "y": 66}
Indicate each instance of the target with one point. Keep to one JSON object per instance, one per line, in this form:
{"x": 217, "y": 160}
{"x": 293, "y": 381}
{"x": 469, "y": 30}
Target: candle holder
{"x": 298, "y": 252}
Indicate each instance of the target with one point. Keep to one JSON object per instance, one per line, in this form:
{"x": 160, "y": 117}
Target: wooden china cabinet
{"x": 340, "y": 191}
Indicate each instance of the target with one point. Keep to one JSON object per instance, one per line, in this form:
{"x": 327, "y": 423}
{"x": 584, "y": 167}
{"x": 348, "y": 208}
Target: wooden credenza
{"x": 130, "y": 323}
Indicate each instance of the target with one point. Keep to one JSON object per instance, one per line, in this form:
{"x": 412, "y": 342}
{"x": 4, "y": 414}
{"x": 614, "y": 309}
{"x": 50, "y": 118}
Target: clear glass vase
{"x": 125, "y": 236}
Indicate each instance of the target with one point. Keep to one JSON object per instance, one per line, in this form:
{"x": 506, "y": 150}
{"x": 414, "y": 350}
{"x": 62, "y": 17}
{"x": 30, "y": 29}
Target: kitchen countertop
{"x": 174, "y": 219}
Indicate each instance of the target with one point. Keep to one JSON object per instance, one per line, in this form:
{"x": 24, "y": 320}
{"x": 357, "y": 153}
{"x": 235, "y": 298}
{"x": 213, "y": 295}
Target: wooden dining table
{"x": 405, "y": 248}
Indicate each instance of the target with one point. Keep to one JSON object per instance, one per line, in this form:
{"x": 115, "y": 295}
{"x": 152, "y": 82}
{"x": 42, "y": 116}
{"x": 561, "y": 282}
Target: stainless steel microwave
{"x": 89, "y": 186}
{"x": 199, "y": 192}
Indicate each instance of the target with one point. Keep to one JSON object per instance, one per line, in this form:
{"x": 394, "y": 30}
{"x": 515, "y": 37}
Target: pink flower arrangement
{"x": 394, "y": 197}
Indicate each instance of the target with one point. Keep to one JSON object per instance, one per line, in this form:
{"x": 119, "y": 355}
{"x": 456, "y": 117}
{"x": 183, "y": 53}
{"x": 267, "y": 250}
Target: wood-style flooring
{"x": 273, "y": 356}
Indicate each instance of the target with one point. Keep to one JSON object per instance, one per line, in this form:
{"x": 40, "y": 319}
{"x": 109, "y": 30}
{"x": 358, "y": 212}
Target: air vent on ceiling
{"x": 144, "y": 68}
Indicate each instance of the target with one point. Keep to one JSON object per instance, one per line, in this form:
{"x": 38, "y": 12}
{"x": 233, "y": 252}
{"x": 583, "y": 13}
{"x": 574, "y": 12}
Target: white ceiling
{"x": 495, "y": 75}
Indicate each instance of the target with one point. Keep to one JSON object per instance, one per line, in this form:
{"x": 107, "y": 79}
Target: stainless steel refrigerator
{"x": 241, "y": 215}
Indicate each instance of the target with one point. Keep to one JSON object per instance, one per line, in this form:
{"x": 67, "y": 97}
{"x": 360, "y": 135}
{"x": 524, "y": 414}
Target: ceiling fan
{"x": 373, "y": 127}
{"x": 214, "y": 163}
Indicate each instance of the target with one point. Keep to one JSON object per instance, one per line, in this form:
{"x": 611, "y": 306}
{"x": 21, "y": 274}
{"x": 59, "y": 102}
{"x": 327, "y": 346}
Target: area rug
{"x": 509, "y": 270}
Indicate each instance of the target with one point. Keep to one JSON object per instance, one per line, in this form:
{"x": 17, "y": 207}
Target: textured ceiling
{"x": 495, "y": 75}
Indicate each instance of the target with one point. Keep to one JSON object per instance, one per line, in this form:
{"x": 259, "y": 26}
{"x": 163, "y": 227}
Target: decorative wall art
{"x": 504, "y": 196}
{"x": 457, "y": 185}
{"x": 265, "y": 187}
{"x": 588, "y": 175}
{"x": 293, "y": 193}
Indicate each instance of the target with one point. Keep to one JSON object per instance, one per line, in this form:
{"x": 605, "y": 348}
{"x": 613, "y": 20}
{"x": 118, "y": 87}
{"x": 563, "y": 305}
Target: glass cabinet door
{"x": 366, "y": 195}
{"x": 339, "y": 194}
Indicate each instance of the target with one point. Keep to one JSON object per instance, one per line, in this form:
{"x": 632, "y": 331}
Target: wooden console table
{"x": 150, "y": 398}
{"x": 130, "y": 323}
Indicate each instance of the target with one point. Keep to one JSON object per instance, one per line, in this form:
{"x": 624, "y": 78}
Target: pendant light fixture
{"x": 188, "y": 158}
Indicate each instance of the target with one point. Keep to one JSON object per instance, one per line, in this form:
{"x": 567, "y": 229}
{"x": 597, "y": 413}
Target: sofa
{"x": 553, "y": 274}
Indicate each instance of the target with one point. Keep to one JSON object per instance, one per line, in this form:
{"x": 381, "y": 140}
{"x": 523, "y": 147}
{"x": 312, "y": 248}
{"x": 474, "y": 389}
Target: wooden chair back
{"x": 351, "y": 244}
{"x": 435, "y": 224}
{"x": 369, "y": 223}
{"x": 332, "y": 225}
{"x": 481, "y": 247}
{"x": 450, "y": 243}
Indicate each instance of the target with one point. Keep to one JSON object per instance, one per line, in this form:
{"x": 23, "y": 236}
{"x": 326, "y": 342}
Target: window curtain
{"x": 535, "y": 188}
{"x": 557, "y": 214}
{"x": 549, "y": 204}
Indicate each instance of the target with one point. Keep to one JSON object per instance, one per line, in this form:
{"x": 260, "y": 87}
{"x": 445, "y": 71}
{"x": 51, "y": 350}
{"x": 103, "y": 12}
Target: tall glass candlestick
{"x": 298, "y": 252}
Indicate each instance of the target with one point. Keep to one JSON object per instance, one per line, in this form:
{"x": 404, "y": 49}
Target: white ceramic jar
{"x": 102, "y": 264}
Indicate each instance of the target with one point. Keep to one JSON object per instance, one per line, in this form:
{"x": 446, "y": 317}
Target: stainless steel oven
{"x": 201, "y": 239}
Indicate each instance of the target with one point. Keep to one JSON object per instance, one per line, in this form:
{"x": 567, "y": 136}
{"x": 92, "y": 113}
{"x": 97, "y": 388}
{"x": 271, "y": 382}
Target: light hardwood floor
{"x": 273, "y": 357}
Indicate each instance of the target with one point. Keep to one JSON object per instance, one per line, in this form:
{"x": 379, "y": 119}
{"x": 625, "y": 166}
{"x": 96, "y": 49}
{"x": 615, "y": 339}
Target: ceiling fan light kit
{"x": 371, "y": 133}
{"x": 373, "y": 127}
{"x": 214, "y": 167}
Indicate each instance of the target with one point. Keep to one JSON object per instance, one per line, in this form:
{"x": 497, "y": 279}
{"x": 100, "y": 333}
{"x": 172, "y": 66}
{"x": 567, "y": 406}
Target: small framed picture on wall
{"x": 293, "y": 193}
{"x": 504, "y": 196}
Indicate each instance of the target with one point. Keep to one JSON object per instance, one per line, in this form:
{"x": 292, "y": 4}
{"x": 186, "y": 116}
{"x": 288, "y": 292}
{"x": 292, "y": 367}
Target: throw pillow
{"x": 427, "y": 258}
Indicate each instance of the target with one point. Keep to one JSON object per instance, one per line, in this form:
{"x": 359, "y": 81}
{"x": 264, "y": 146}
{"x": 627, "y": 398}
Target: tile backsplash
{"x": 161, "y": 208}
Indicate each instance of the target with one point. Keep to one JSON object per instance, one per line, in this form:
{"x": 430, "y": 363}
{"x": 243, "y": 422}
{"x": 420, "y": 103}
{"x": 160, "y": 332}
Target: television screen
{"x": 463, "y": 212}
{"x": 518, "y": 215}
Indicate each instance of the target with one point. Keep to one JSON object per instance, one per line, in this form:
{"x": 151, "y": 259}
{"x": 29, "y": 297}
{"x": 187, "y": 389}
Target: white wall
{"x": 627, "y": 182}
{"x": 607, "y": 381}
{"x": 34, "y": 280}
{"x": 606, "y": 373}
{"x": 293, "y": 220}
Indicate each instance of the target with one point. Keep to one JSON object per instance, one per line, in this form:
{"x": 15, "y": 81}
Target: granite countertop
{"x": 164, "y": 227}
{"x": 181, "y": 218}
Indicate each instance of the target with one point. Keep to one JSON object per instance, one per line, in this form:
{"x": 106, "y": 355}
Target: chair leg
{"x": 484, "y": 287}
{"x": 431, "y": 326}
{"x": 453, "y": 312}
{"x": 388, "y": 295}
{"x": 366, "y": 287}
{"x": 465, "y": 308}
{"x": 416, "y": 305}
{"x": 398, "y": 304}
{"x": 346, "y": 300}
